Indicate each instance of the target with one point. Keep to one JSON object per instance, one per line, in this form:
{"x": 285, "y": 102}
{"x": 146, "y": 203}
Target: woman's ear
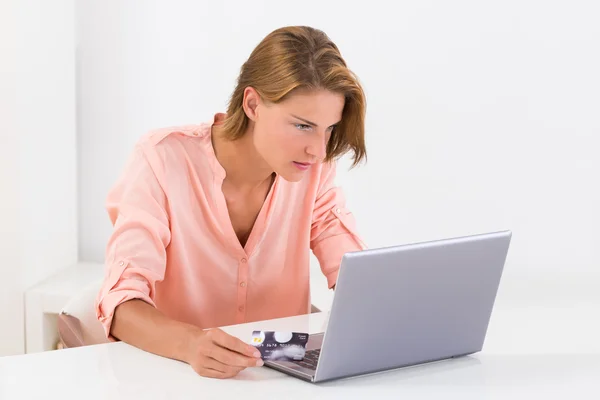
{"x": 251, "y": 102}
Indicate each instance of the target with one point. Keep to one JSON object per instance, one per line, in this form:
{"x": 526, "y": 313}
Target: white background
{"x": 482, "y": 116}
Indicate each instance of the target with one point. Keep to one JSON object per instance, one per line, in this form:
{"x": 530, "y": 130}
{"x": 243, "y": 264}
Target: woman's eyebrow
{"x": 309, "y": 122}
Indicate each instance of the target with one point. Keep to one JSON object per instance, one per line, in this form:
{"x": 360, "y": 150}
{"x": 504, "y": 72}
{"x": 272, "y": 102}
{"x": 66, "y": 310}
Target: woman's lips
{"x": 302, "y": 166}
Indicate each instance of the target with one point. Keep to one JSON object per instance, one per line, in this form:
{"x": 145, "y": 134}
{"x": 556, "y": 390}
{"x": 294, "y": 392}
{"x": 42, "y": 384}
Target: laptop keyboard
{"x": 310, "y": 359}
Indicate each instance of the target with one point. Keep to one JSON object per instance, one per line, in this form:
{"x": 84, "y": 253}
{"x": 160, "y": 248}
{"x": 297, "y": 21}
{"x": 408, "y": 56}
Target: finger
{"x": 213, "y": 364}
{"x": 231, "y": 358}
{"x": 211, "y": 373}
{"x": 232, "y": 343}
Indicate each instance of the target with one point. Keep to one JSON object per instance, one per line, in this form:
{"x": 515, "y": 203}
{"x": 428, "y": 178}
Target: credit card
{"x": 280, "y": 346}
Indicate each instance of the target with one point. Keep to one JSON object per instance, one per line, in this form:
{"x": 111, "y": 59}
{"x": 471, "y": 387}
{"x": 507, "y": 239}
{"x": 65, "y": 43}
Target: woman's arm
{"x": 333, "y": 231}
{"x": 136, "y": 260}
{"x": 211, "y": 353}
{"x": 141, "y": 325}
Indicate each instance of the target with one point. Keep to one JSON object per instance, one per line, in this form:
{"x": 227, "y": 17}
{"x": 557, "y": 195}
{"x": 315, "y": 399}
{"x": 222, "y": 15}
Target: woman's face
{"x": 292, "y": 135}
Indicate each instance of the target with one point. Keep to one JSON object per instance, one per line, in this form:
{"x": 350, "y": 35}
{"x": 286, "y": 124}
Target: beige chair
{"x": 77, "y": 322}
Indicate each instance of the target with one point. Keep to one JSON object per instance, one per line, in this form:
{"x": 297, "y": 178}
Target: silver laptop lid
{"x": 410, "y": 304}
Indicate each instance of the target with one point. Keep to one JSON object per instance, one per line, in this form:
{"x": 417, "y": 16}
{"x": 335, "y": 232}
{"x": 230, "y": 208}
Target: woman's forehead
{"x": 322, "y": 107}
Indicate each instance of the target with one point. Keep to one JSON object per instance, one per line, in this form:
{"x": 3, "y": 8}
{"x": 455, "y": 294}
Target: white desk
{"x": 530, "y": 353}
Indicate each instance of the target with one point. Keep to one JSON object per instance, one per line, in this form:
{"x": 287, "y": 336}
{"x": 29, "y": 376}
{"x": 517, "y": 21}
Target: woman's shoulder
{"x": 171, "y": 148}
{"x": 171, "y": 135}
{"x": 176, "y": 140}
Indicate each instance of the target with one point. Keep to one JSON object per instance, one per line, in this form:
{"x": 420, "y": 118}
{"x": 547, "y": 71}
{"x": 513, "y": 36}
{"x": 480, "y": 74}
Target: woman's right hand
{"x": 216, "y": 354}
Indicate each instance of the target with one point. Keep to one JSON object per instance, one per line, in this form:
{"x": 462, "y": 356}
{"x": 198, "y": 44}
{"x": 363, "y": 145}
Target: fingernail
{"x": 256, "y": 354}
{"x": 260, "y": 363}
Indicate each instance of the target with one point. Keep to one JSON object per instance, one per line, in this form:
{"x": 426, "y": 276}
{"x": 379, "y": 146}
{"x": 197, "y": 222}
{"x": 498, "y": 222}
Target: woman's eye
{"x": 303, "y": 127}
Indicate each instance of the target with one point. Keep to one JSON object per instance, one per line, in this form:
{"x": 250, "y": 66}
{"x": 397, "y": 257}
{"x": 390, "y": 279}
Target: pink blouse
{"x": 173, "y": 244}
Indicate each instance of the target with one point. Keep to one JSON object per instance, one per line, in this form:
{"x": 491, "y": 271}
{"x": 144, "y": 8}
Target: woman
{"x": 214, "y": 223}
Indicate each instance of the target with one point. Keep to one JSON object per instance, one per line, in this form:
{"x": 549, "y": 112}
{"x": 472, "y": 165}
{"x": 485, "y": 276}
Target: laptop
{"x": 406, "y": 305}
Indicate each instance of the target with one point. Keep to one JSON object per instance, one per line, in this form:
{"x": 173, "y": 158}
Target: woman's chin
{"x": 291, "y": 174}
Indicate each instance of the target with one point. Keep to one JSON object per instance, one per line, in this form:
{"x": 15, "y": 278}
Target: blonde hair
{"x": 300, "y": 57}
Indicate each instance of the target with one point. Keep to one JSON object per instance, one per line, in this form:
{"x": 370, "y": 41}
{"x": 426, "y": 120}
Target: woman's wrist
{"x": 187, "y": 341}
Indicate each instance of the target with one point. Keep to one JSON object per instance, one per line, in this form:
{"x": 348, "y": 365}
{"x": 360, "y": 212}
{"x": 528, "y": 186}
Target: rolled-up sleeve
{"x": 333, "y": 231}
{"x": 136, "y": 250}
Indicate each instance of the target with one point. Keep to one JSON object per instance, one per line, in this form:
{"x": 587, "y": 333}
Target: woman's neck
{"x": 245, "y": 169}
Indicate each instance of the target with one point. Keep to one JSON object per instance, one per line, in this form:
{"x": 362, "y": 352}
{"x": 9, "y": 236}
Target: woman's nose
{"x": 318, "y": 148}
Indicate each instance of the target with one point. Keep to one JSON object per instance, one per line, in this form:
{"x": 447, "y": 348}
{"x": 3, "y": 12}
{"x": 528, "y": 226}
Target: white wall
{"x": 482, "y": 115}
{"x": 38, "y": 234}
{"x": 8, "y": 186}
